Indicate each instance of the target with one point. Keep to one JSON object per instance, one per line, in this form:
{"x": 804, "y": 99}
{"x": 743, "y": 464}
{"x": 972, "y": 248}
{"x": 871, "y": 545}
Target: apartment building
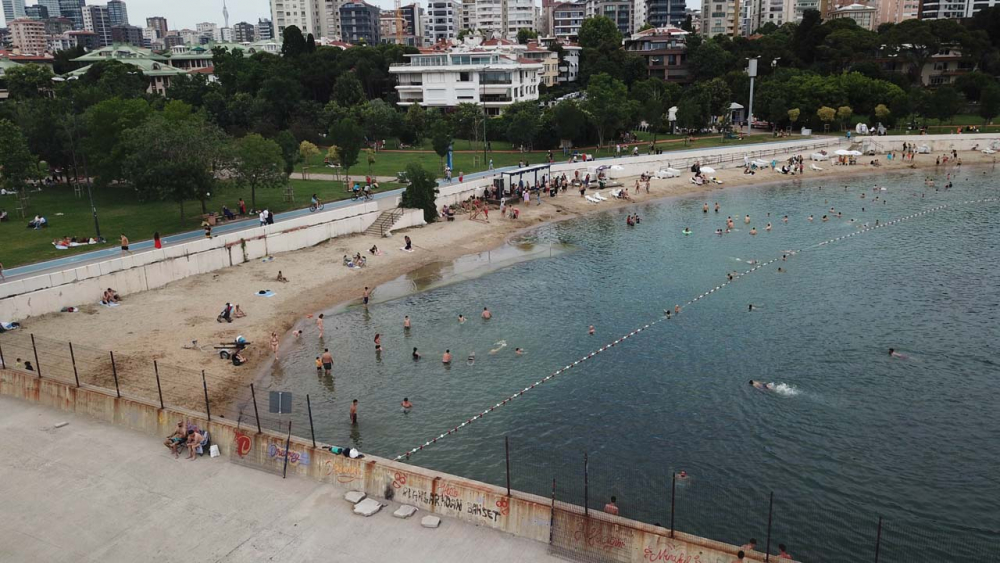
{"x": 468, "y": 15}
{"x": 492, "y": 79}
{"x": 97, "y": 20}
{"x": 117, "y": 12}
{"x": 129, "y": 34}
{"x": 72, "y": 9}
{"x": 952, "y": 9}
{"x": 895, "y": 11}
{"x": 862, "y": 14}
{"x": 567, "y": 17}
{"x": 304, "y": 14}
{"x": 720, "y": 17}
{"x": 664, "y": 50}
{"x": 549, "y": 76}
{"x": 28, "y": 36}
{"x": 444, "y": 19}
{"x": 756, "y": 13}
{"x": 265, "y": 30}
{"x": 662, "y": 13}
{"x": 409, "y": 24}
{"x": 504, "y": 18}
{"x": 618, "y": 11}
{"x": 359, "y": 23}
{"x": 13, "y": 10}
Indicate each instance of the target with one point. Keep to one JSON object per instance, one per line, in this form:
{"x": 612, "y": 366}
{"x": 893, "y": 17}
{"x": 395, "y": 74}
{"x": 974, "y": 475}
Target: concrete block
{"x": 430, "y": 521}
{"x": 367, "y": 507}
{"x": 405, "y": 511}
{"x": 354, "y": 497}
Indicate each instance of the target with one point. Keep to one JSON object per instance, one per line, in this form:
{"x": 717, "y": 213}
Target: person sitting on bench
{"x": 229, "y": 215}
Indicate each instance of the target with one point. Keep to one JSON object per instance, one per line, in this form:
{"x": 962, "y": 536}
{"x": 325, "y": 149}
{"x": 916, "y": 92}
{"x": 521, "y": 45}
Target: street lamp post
{"x": 752, "y": 73}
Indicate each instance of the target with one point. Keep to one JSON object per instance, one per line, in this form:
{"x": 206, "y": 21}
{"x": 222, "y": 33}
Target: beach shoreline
{"x": 155, "y": 325}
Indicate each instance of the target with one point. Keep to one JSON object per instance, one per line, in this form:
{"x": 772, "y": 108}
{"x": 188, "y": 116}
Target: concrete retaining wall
{"x": 727, "y": 157}
{"x": 937, "y": 143}
{"x": 48, "y": 293}
{"x": 520, "y": 514}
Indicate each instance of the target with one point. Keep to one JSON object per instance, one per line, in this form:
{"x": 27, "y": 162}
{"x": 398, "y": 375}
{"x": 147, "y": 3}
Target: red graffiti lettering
{"x": 671, "y": 553}
{"x": 504, "y": 506}
{"x": 244, "y": 444}
{"x": 398, "y": 480}
{"x": 594, "y": 538}
{"x": 346, "y": 472}
{"x": 447, "y": 490}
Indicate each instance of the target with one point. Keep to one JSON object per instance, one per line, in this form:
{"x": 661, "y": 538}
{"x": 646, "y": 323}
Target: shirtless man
{"x": 174, "y": 440}
{"x": 319, "y": 324}
{"x": 894, "y": 354}
{"x": 125, "y": 245}
{"x": 446, "y": 358}
{"x": 704, "y": 208}
{"x": 365, "y": 295}
{"x": 406, "y": 404}
{"x": 327, "y": 359}
{"x": 753, "y": 231}
{"x": 193, "y": 440}
{"x": 416, "y": 355}
{"x": 747, "y": 220}
{"x": 354, "y": 412}
{"x": 760, "y": 385}
{"x": 590, "y": 330}
{"x": 461, "y": 319}
{"x": 406, "y": 322}
{"x": 486, "y": 314}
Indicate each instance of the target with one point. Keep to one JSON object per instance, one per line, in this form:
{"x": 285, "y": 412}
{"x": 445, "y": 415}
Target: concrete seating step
{"x": 354, "y": 497}
{"x": 405, "y": 511}
{"x": 430, "y": 522}
{"x": 367, "y": 507}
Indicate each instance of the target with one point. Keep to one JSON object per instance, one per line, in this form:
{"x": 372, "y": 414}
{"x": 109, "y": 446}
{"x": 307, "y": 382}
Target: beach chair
{"x": 592, "y": 199}
{"x": 989, "y": 151}
{"x": 814, "y": 167}
{"x": 600, "y": 197}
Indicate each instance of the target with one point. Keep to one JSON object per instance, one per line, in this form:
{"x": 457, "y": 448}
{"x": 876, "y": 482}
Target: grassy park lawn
{"x": 120, "y": 212}
{"x": 389, "y": 162}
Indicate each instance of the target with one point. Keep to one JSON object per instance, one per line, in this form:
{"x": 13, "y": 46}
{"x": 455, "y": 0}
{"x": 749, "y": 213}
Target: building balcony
{"x": 495, "y": 98}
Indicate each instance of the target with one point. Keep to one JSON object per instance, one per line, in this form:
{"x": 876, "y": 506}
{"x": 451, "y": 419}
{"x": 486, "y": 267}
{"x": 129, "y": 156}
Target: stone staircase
{"x": 384, "y": 223}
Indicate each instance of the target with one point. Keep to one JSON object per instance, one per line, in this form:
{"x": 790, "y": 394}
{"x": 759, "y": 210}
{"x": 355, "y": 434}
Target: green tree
{"x": 571, "y": 121}
{"x": 415, "y": 120}
{"x": 826, "y": 114}
{"x": 422, "y": 191}
{"x": 467, "y": 121}
{"x": 17, "y": 164}
{"x": 62, "y": 62}
{"x": 687, "y": 25}
{"x": 881, "y": 112}
{"x": 604, "y": 104}
{"x": 844, "y": 114}
{"x": 173, "y": 161}
{"x": 441, "y": 139}
{"x": 347, "y": 91}
{"x": 293, "y": 43}
{"x": 648, "y": 25}
{"x": 945, "y": 103}
{"x": 379, "y": 119}
{"x": 523, "y": 120}
{"x": 693, "y": 110}
{"x": 307, "y": 151}
{"x": 105, "y": 125}
{"x": 289, "y": 149}
{"x": 654, "y": 96}
{"x": 115, "y": 79}
{"x": 25, "y": 82}
{"x": 524, "y": 35}
{"x": 793, "y": 115}
{"x": 599, "y": 32}
{"x": 989, "y": 102}
{"x": 349, "y": 138}
{"x": 708, "y": 60}
{"x": 258, "y": 163}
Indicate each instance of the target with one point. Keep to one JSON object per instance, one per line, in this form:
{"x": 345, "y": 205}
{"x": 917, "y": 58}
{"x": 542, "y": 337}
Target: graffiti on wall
{"x": 344, "y": 470}
{"x": 244, "y": 444}
{"x": 294, "y": 458}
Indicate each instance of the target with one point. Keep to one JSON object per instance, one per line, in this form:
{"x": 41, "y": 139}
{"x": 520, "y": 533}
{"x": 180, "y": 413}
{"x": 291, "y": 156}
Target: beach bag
{"x": 214, "y": 450}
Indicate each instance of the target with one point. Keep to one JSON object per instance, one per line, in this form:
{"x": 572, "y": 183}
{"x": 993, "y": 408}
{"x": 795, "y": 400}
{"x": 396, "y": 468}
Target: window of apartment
{"x": 465, "y": 77}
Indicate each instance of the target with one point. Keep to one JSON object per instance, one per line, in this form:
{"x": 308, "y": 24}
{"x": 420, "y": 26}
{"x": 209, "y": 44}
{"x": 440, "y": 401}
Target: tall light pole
{"x": 752, "y": 73}
{"x": 72, "y": 145}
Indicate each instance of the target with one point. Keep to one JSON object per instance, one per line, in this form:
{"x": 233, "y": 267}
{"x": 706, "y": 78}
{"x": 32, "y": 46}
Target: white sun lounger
{"x": 592, "y": 199}
{"x": 600, "y": 197}
{"x": 814, "y": 167}
{"x": 989, "y": 151}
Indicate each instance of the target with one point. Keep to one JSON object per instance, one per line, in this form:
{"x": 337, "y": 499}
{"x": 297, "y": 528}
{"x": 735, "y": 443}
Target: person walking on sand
{"x": 365, "y": 295}
{"x": 125, "y": 249}
{"x": 274, "y": 344}
{"x": 319, "y": 324}
{"x": 354, "y": 412}
{"x": 327, "y": 359}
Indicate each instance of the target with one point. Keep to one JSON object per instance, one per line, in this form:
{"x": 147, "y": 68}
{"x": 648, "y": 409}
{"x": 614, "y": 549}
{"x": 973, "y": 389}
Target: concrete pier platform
{"x": 90, "y": 491}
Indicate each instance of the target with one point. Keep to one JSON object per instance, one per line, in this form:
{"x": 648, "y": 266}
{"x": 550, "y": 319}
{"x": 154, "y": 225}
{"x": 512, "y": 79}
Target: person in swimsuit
{"x": 174, "y": 440}
{"x": 125, "y": 245}
{"x": 416, "y": 355}
{"x": 446, "y": 358}
{"x": 753, "y": 230}
{"x": 486, "y": 314}
{"x": 590, "y": 330}
{"x": 461, "y": 319}
{"x": 406, "y": 322}
{"x": 354, "y": 412}
{"x": 704, "y": 208}
{"x": 519, "y": 351}
{"x": 319, "y": 324}
{"x": 760, "y": 385}
{"x": 365, "y": 295}
{"x": 378, "y": 342}
{"x": 319, "y": 364}
{"x": 406, "y": 404}
{"x": 274, "y": 344}
{"x": 327, "y": 358}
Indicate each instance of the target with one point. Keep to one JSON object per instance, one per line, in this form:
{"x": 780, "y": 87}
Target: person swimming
{"x": 519, "y": 351}
{"x": 590, "y": 330}
{"x": 499, "y": 346}
{"x": 750, "y": 308}
{"x": 406, "y": 404}
{"x": 687, "y": 230}
{"x": 461, "y": 319}
{"x": 753, "y": 230}
{"x": 761, "y": 385}
{"x": 894, "y": 354}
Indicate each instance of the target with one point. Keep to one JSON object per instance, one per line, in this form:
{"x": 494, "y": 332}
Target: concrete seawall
{"x": 49, "y": 293}
{"x": 520, "y": 514}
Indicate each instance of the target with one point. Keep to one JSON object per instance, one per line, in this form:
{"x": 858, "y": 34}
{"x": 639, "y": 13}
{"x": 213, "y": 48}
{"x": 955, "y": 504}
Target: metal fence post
{"x": 878, "y": 538}
{"x": 311, "y": 429}
{"x": 2, "y": 362}
{"x": 204, "y": 383}
{"x": 114, "y": 372}
{"x": 673, "y": 495}
{"x": 506, "y": 453}
{"x": 38, "y": 366}
{"x": 159, "y": 390}
{"x": 288, "y": 444}
{"x": 586, "y": 485}
{"x": 72, "y": 358}
{"x": 770, "y": 509}
{"x": 552, "y": 511}
{"x": 255, "y": 413}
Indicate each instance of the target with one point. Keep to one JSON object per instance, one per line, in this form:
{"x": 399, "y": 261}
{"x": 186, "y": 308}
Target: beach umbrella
{"x": 707, "y": 170}
{"x": 853, "y": 153}
{"x": 842, "y": 152}
{"x": 617, "y": 168}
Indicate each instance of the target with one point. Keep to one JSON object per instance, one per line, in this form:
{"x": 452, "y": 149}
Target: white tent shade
{"x": 707, "y": 170}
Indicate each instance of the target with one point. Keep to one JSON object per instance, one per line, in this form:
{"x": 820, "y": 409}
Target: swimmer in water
{"x": 784, "y": 219}
{"x": 446, "y": 358}
{"x": 682, "y": 475}
{"x": 750, "y": 308}
{"x": 590, "y": 330}
{"x": 894, "y": 354}
{"x": 718, "y": 232}
{"x": 519, "y": 351}
{"x": 716, "y": 207}
{"x": 704, "y": 208}
{"x": 781, "y": 270}
{"x": 810, "y": 218}
{"x": 677, "y": 309}
{"x": 747, "y": 220}
{"x": 416, "y": 355}
{"x": 499, "y": 346}
{"x": 472, "y": 358}
{"x": 406, "y": 404}
{"x": 730, "y": 276}
{"x": 761, "y": 385}
{"x": 753, "y": 230}
{"x": 406, "y": 322}
{"x": 768, "y": 227}
{"x": 461, "y": 319}
{"x": 487, "y": 315}
{"x": 687, "y": 230}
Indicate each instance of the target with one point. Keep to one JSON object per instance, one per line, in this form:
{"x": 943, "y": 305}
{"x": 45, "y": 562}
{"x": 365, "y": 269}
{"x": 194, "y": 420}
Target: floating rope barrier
{"x": 606, "y": 347}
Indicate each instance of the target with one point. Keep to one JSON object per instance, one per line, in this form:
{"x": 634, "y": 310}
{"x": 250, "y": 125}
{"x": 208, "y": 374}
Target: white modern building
{"x": 310, "y": 16}
{"x": 504, "y": 17}
{"x": 863, "y": 14}
{"x": 494, "y": 80}
{"x": 444, "y": 20}
{"x": 720, "y": 17}
{"x": 756, "y": 13}
{"x": 953, "y": 9}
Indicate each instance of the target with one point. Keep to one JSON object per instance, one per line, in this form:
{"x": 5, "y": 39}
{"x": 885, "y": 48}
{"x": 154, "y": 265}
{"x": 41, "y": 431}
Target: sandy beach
{"x": 157, "y": 324}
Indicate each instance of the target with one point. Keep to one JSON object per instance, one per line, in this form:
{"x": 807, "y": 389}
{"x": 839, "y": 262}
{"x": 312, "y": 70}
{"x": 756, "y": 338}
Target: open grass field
{"x": 119, "y": 211}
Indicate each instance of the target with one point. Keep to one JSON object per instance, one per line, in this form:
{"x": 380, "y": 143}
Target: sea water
{"x": 848, "y": 433}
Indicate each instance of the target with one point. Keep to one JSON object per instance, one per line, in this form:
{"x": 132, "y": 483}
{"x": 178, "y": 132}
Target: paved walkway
{"x": 94, "y": 492}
